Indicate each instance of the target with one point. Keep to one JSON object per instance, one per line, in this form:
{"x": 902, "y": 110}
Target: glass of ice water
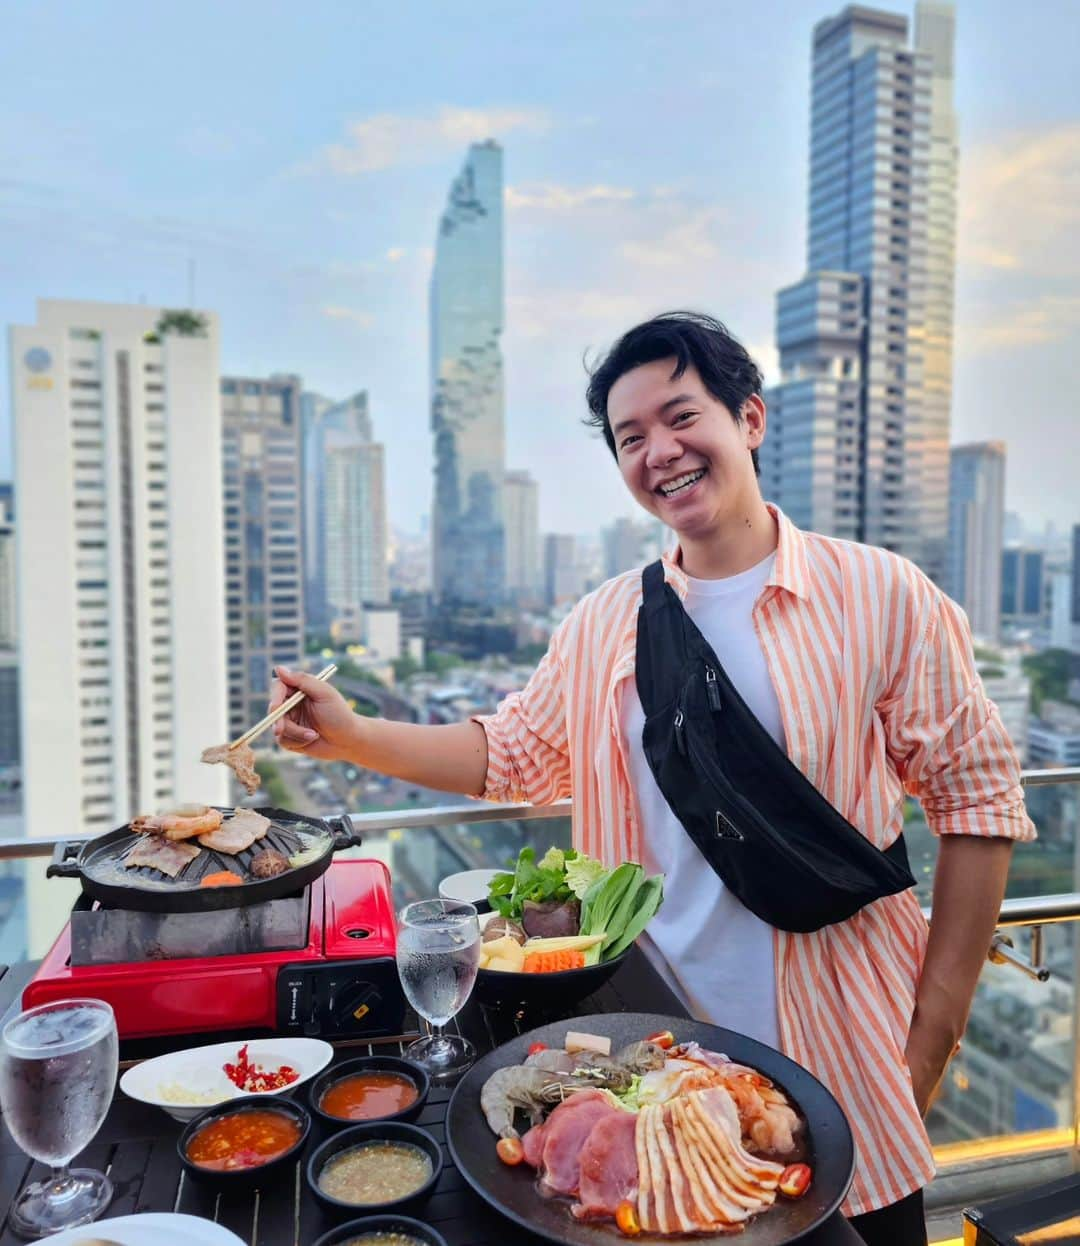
{"x": 57, "y": 1075}
{"x": 438, "y": 953}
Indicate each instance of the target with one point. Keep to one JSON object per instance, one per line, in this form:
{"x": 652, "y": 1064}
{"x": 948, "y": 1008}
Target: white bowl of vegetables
{"x": 560, "y": 927}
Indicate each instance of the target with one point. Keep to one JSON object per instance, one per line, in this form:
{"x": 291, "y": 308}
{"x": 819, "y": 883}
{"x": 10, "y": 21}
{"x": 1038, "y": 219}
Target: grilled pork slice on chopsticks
{"x": 238, "y": 833}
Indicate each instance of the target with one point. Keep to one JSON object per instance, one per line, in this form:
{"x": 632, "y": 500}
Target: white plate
{"x": 148, "y": 1229}
{"x": 200, "y": 1070}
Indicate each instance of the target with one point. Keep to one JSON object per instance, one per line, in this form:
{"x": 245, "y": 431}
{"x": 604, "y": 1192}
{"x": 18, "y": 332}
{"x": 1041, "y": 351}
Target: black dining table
{"x": 136, "y": 1146}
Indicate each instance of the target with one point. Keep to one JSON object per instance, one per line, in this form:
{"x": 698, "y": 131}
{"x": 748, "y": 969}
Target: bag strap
{"x": 661, "y": 641}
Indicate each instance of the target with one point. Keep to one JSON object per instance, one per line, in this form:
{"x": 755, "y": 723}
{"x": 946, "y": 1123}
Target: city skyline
{"x": 309, "y": 219}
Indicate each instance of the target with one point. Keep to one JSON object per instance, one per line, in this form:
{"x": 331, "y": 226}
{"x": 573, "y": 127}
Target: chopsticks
{"x": 283, "y": 708}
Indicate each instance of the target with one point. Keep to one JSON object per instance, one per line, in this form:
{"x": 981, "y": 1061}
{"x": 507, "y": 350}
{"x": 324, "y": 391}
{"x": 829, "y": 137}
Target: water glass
{"x": 58, "y": 1067}
{"x": 438, "y": 954}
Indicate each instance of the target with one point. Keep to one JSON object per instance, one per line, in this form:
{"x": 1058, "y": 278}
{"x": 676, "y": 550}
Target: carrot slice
{"x": 223, "y": 878}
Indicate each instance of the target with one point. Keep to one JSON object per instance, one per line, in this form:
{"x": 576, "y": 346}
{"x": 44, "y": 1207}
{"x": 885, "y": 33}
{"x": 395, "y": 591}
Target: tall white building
{"x": 563, "y": 579}
{"x": 117, "y": 423}
{"x": 976, "y": 533}
{"x": 521, "y": 510}
{"x": 263, "y": 560}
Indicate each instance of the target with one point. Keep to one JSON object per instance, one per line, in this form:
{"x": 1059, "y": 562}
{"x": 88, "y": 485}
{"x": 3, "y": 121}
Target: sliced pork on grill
{"x": 159, "y": 853}
{"x": 238, "y": 833}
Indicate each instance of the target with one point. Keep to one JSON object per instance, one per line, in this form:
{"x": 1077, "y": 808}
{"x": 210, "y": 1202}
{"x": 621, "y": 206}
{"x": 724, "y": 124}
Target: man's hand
{"x": 322, "y": 725}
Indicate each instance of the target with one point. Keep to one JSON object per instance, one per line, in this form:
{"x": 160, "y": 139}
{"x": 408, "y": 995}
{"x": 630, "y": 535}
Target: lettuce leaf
{"x": 581, "y": 873}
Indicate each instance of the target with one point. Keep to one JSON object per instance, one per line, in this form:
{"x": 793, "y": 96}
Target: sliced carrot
{"x": 553, "y": 962}
{"x": 223, "y": 878}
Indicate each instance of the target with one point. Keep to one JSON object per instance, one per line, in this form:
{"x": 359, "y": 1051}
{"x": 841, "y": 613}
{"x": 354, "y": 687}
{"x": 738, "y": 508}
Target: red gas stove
{"x": 320, "y": 963}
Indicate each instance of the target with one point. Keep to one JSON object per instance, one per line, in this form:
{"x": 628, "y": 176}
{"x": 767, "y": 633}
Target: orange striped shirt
{"x": 878, "y": 692}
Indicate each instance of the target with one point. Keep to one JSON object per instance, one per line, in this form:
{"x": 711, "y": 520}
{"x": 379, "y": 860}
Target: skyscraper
{"x": 467, "y": 418}
{"x": 357, "y": 570}
{"x": 521, "y": 508}
{"x": 1023, "y": 584}
{"x": 562, "y": 574}
{"x": 349, "y": 424}
{"x": 260, "y": 424}
{"x": 858, "y": 432}
{"x": 117, "y": 420}
{"x": 976, "y": 522}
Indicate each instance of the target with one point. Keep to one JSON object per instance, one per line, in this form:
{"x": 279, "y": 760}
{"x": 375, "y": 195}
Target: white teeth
{"x": 680, "y": 482}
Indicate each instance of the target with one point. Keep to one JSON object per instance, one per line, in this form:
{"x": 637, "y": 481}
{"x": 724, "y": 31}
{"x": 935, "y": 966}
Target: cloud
{"x": 550, "y": 197}
{"x": 1020, "y": 203}
{"x": 691, "y": 239}
{"x": 1033, "y": 322}
{"x": 395, "y": 254}
{"x": 388, "y": 139}
{"x": 363, "y": 320}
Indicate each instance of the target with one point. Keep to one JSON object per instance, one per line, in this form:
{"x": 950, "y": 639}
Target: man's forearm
{"x": 451, "y": 758}
{"x": 969, "y": 885}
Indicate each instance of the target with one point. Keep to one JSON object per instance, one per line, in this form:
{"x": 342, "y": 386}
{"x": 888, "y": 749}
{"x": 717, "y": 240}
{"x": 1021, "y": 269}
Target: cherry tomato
{"x": 663, "y": 1039}
{"x": 537, "y": 1047}
{"x": 626, "y": 1219}
{"x": 510, "y": 1150}
{"x": 795, "y": 1180}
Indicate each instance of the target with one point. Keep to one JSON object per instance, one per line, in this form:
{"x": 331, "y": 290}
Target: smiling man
{"x": 747, "y": 716}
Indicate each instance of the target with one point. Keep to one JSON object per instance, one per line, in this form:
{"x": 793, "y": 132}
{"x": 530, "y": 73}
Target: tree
{"x": 182, "y": 323}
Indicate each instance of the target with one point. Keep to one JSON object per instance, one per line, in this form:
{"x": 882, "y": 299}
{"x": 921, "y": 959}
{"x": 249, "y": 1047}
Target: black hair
{"x": 722, "y": 362}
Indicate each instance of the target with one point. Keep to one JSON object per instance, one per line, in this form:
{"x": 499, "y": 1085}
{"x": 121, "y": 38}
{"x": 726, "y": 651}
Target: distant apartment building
{"x": 1074, "y": 611}
{"x": 624, "y": 545}
{"x": 1023, "y": 588}
{"x": 8, "y": 628}
{"x": 563, "y": 580}
{"x": 121, "y": 587}
{"x": 976, "y": 533}
{"x": 859, "y": 425}
{"x": 357, "y": 568}
{"x": 260, "y": 433}
{"x": 10, "y": 752}
{"x": 339, "y": 425}
{"x": 1054, "y": 736}
{"x": 521, "y": 510}
{"x": 467, "y": 393}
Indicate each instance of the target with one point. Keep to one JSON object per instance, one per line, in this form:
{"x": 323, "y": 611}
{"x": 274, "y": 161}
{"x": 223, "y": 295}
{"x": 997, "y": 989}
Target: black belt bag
{"x": 769, "y": 834}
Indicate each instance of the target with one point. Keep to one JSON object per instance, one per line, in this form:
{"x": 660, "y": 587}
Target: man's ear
{"x": 753, "y": 419}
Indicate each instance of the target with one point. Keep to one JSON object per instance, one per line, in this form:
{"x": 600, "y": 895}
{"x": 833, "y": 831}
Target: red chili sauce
{"x": 368, "y": 1096}
{"x": 245, "y": 1139}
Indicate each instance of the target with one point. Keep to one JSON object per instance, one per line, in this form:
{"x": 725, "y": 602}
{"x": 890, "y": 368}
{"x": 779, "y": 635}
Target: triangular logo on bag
{"x": 726, "y": 829}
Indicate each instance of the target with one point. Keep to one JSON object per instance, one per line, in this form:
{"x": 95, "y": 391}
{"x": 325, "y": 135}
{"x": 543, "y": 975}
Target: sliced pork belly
{"x": 608, "y": 1167}
{"x": 161, "y": 854}
{"x": 565, "y": 1133}
{"x": 238, "y": 833}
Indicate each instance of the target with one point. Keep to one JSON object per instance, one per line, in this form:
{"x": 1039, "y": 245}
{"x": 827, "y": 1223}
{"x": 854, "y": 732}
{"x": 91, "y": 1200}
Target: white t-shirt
{"x": 712, "y": 951}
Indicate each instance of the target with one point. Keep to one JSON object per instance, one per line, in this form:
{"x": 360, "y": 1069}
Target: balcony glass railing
{"x": 1010, "y": 1096}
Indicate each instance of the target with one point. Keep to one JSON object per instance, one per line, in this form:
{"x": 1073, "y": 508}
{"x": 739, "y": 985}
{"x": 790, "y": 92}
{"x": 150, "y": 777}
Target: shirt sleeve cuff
{"x": 500, "y": 783}
{"x": 1006, "y": 818}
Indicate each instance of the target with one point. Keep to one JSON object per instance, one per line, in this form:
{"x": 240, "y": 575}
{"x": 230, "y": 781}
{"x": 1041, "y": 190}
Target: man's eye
{"x": 683, "y": 415}
{"x": 626, "y": 441}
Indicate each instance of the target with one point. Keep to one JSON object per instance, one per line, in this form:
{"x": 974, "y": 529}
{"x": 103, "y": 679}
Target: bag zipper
{"x": 680, "y": 731}
{"x": 712, "y": 690}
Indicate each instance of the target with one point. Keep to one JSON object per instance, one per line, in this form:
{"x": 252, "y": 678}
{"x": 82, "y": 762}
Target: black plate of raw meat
{"x": 513, "y": 1192}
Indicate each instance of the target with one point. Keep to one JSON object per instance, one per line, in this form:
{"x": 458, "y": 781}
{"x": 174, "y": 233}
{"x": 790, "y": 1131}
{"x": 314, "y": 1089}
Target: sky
{"x": 290, "y": 163}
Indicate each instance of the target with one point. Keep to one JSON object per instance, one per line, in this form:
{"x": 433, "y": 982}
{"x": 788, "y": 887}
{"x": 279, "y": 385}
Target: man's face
{"x": 680, "y": 451}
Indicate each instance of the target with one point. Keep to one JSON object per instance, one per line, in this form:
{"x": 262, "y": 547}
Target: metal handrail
{"x": 449, "y": 815}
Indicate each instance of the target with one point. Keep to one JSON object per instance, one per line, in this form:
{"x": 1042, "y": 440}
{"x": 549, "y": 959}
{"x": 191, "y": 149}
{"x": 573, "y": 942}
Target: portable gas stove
{"x": 319, "y": 963}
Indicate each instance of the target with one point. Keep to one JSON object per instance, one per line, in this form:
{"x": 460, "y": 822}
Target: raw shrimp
{"x": 517, "y": 1086}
